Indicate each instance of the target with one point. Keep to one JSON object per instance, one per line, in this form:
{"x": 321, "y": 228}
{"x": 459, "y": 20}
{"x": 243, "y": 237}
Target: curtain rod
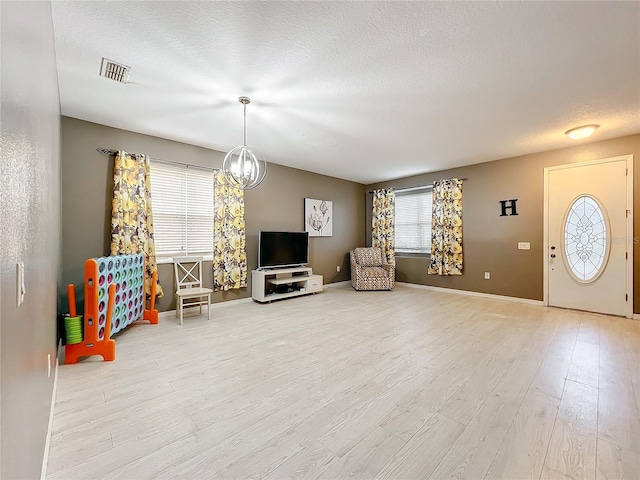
{"x": 109, "y": 151}
{"x": 463, "y": 179}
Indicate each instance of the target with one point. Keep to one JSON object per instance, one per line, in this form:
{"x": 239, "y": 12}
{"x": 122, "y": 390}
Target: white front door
{"x": 589, "y": 236}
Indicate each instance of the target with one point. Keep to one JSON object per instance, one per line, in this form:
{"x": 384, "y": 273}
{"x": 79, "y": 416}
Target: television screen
{"x": 283, "y": 249}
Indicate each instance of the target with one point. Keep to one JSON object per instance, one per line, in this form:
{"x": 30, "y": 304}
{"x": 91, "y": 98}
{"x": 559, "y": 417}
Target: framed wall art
{"x": 318, "y": 217}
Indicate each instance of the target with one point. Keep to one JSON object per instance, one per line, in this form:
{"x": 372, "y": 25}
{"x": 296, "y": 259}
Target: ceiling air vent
{"x": 114, "y": 71}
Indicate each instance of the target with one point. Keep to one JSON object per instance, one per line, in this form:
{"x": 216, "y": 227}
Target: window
{"x": 586, "y": 246}
{"x": 182, "y": 198}
{"x": 413, "y": 220}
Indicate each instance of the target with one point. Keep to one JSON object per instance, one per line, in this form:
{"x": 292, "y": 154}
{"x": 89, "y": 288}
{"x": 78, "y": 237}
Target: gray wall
{"x": 277, "y": 204}
{"x": 490, "y": 241}
{"x": 30, "y": 211}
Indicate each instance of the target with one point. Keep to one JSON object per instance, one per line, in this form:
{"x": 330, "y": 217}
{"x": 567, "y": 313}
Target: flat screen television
{"x": 283, "y": 249}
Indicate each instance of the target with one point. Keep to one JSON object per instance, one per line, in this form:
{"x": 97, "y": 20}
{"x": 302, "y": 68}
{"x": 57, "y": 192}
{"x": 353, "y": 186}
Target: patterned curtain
{"x": 446, "y": 228}
{"x": 383, "y": 223}
{"x": 229, "y": 238}
{"x": 131, "y": 213}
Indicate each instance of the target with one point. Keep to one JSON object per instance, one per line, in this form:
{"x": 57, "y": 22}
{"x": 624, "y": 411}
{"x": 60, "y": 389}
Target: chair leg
{"x": 209, "y": 305}
{"x": 180, "y": 311}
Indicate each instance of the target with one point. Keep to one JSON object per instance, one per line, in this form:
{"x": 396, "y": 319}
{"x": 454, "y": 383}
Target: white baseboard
{"x": 337, "y": 284}
{"x": 528, "y": 301}
{"x": 636, "y": 316}
{"x": 167, "y": 313}
{"x": 47, "y": 443}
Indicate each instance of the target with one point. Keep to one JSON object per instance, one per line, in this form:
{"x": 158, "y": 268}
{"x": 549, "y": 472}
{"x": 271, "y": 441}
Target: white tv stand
{"x": 279, "y": 283}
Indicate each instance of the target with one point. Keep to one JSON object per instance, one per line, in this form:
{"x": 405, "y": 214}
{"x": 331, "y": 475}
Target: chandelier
{"x": 241, "y": 166}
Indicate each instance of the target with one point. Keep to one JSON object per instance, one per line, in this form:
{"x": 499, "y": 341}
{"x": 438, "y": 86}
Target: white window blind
{"x": 182, "y": 198}
{"x": 413, "y": 220}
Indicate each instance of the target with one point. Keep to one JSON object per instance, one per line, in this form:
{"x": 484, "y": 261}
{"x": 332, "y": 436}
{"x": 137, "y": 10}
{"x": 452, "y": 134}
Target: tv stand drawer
{"x": 314, "y": 283}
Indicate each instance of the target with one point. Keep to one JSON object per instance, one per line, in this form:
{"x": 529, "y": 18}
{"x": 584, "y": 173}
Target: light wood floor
{"x": 404, "y": 384}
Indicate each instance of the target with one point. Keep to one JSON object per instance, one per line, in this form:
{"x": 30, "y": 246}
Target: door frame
{"x": 629, "y": 225}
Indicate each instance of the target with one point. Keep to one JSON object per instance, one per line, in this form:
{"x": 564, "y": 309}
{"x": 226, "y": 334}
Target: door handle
{"x": 553, "y": 247}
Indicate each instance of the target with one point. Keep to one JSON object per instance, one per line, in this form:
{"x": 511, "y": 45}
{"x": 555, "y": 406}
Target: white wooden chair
{"x": 188, "y": 271}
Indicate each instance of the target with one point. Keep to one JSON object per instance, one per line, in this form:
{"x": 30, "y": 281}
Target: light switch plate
{"x": 524, "y": 246}
{"x": 20, "y": 290}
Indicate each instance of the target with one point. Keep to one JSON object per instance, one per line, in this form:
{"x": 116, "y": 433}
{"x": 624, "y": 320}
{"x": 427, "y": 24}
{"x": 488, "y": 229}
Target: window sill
{"x": 413, "y": 255}
{"x": 164, "y": 260}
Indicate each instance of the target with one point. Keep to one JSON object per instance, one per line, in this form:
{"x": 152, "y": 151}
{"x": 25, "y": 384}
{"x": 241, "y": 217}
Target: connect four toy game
{"x": 113, "y": 298}
{"x": 125, "y": 271}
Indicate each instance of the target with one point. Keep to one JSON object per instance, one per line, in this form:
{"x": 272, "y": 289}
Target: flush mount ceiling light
{"x": 241, "y": 166}
{"x": 581, "y": 132}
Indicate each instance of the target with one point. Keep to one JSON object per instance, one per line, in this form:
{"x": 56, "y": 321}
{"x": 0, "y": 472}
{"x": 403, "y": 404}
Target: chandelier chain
{"x": 244, "y": 129}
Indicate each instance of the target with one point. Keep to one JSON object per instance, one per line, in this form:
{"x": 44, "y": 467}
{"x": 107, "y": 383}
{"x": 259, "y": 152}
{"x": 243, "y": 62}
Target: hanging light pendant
{"x": 241, "y": 166}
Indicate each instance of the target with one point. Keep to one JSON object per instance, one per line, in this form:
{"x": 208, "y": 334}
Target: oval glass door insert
{"x": 586, "y": 239}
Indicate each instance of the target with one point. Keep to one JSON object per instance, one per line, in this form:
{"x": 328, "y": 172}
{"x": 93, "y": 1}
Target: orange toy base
{"x": 107, "y": 351}
{"x": 151, "y": 315}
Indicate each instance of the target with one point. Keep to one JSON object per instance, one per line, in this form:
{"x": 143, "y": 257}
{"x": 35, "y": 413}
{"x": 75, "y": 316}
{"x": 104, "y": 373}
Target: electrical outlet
{"x": 487, "y": 275}
{"x": 48, "y": 365}
{"x": 338, "y": 268}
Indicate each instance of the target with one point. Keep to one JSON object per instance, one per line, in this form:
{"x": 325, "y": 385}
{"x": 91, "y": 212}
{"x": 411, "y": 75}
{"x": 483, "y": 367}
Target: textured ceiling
{"x": 357, "y": 90}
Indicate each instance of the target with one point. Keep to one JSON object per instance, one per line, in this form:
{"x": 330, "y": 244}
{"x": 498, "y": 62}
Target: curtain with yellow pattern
{"x": 446, "y": 228}
{"x": 132, "y": 213}
{"x": 383, "y": 223}
{"x": 229, "y": 248}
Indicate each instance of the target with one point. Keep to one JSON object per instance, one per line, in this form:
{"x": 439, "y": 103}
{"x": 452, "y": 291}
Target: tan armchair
{"x": 369, "y": 271}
